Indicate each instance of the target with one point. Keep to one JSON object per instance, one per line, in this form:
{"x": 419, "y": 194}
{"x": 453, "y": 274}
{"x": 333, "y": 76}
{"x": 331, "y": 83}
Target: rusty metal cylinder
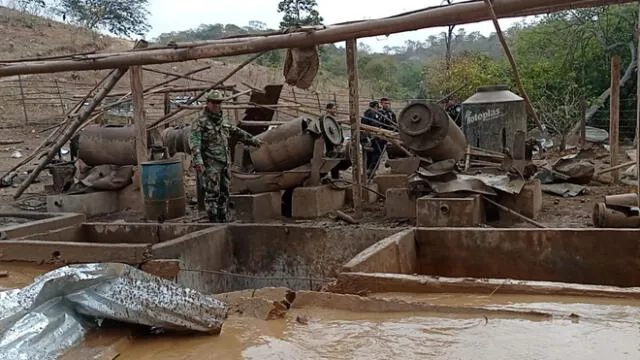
{"x": 176, "y": 140}
{"x": 606, "y": 217}
{"x": 284, "y": 148}
{"x": 99, "y": 145}
{"x": 429, "y": 132}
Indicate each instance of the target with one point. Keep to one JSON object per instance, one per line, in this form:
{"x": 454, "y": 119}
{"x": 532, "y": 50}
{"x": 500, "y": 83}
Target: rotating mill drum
{"x": 291, "y": 145}
{"x": 284, "y": 148}
{"x": 427, "y": 130}
{"x": 98, "y": 145}
{"x": 176, "y": 140}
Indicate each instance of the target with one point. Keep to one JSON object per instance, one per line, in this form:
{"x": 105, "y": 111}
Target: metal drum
{"x": 284, "y": 148}
{"x": 99, "y": 145}
{"x": 163, "y": 189}
{"x": 427, "y": 130}
{"x": 176, "y": 140}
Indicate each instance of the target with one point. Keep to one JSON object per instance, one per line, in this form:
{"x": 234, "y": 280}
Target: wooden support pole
{"x": 139, "y": 120}
{"x": 24, "y": 103}
{"x": 71, "y": 130}
{"x": 514, "y": 67}
{"x": 614, "y": 123}
{"x": 354, "y": 119}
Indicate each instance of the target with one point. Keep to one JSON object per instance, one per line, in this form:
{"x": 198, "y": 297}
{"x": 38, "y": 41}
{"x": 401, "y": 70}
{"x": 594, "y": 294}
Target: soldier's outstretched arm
{"x": 195, "y": 141}
{"x": 243, "y": 136}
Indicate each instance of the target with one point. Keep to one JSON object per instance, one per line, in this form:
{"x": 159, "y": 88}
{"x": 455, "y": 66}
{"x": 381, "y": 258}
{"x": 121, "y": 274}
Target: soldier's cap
{"x": 214, "y": 95}
{"x": 373, "y": 104}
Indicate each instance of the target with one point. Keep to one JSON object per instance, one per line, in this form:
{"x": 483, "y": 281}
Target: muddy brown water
{"x": 598, "y": 329}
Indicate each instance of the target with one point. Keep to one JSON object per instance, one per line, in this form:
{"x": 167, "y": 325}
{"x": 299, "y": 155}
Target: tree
{"x": 119, "y": 17}
{"x": 559, "y": 111}
{"x": 468, "y": 70}
{"x": 299, "y": 13}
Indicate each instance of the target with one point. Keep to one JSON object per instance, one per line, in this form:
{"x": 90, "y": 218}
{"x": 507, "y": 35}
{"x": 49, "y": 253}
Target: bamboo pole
{"x": 614, "y": 115}
{"x": 169, "y": 73}
{"x": 163, "y": 119}
{"x": 354, "y": 119}
{"x": 460, "y": 13}
{"x": 514, "y": 66}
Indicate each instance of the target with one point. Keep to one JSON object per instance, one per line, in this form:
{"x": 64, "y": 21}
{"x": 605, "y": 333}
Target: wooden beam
{"x": 354, "y": 119}
{"x": 460, "y": 13}
{"x": 614, "y": 115}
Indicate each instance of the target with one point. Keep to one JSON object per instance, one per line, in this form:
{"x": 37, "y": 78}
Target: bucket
{"x": 163, "y": 189}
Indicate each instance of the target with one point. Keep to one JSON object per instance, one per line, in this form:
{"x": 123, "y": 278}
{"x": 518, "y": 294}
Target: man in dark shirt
{"x": 454, "y": 110}
{"x": 388, "y": 116}
{"x": 373, "y": 145}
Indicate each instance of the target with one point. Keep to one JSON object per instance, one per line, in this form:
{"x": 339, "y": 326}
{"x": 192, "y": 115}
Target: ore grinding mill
{"x": 428, "y": 131}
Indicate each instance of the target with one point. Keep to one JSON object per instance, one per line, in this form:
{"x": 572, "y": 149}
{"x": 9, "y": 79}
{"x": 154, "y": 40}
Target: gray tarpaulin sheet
{"x": 48, "y": 317}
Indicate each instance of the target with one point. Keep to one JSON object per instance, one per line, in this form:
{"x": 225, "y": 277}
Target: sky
{"x": 167, "y": 16}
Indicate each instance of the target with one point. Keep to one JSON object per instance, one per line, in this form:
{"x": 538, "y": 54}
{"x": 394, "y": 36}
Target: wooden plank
{"x": 354, "y": 120}
{"x": 73, "y": 252}
{"x": 614, "y": 116}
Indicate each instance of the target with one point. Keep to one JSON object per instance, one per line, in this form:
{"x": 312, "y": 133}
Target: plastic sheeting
{"x": 48, "y": 317}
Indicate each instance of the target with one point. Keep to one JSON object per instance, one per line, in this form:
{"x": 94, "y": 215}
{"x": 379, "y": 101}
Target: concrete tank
{"x": 284, "y": 148}
{"x": 428, "y": 131}
{"x": 492, "y": 116}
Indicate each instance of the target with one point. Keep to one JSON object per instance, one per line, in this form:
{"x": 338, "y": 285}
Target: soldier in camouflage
{"x": 209, "y": 143}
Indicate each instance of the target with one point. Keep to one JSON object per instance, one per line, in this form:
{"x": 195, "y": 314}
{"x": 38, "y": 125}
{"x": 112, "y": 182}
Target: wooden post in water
{"x": 614, "y": 115}
{"x": 354, "y": 119}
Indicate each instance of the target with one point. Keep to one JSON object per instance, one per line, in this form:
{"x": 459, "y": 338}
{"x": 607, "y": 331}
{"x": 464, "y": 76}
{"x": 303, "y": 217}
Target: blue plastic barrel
{"x": 163, "y": 189}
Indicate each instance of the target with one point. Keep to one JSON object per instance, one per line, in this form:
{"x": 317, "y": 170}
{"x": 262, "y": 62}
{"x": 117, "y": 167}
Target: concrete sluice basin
{"x": 401, "y": 326}
{"x": 210, "y": 259}
{"x": 23, "y": 223}
{"x": 415, "y": 294}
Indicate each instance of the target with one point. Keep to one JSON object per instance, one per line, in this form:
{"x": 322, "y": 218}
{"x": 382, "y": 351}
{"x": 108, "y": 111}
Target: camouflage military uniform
{"x": 209, "y": 147}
